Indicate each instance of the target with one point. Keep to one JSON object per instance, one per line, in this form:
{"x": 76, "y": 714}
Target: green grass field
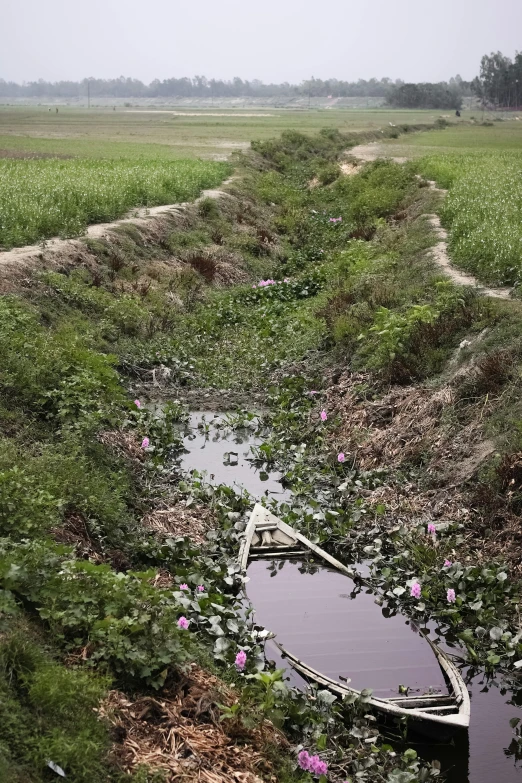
{"x": 106, "y": 162}
{"x": 190, "y": 133}
{"x": 461, "y": 136}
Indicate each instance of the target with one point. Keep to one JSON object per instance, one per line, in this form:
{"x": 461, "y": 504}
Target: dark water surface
{"x": 325, "y": 619}
{"x": 223, "y": 454}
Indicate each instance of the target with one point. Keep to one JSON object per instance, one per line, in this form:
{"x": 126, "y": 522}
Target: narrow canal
{"x": 327, "y": 620}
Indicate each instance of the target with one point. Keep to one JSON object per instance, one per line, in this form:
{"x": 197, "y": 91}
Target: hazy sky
{"x": 273, "y": 40}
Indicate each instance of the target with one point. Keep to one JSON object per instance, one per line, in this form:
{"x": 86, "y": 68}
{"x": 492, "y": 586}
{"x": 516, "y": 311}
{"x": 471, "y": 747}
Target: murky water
{"x": 225, "y": 456}
{"x": 324, "y": 618}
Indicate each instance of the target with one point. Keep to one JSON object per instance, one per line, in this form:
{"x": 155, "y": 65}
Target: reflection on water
{"x": 335, "y": 626}
{"x": 225, "y": 455}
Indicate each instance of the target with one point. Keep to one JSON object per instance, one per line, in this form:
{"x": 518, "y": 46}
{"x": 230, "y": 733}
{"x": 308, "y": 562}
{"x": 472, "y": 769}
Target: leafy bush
{"x": 124, "y": 620}
{"x": 55, "y": 374}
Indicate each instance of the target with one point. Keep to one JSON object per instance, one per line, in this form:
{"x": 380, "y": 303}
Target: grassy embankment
{"x": 480, "y": 164}
{"x": 362, "y": 298}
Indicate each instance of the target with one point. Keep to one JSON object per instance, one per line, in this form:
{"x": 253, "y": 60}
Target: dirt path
{"x": 25, "y": 258}
{"x": 374, "y": 150}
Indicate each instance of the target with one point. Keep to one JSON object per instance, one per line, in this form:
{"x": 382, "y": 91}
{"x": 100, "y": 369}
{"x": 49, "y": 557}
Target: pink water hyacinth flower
{"x": 432, "y": 529}
{"x": 183, "y": 623}
{"x": 318, "y": 766}
{"x": 451, "y": 595}
{"x": 201, "y": 588}
{"x": 341, "y": 457}
{"x": 137, "y": 403}
{"x": 303, "y": 759}
{"x": 415, "y": 590}
{"x": 241, "y": 660}
{"x": 447, "y": 563}
{"x": 183, "y": 586}
{"x": 324, "y": 416}
{"x": 145, "y": 443}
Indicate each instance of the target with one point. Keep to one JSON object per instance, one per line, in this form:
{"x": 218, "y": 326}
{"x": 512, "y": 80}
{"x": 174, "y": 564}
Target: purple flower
{"x": 303, "y": 760}
{"x": 415, "y": 590}
{"x": 201, "y": 588}
{"x": 447, "y": 563}
{"x": 323, "y": 416}
{"x": 241, "y": 660}
{"x": 313, "y": 392}
{"x": 340, "y": 457}
{"x": 432, "y": 529}
{"x": 451, "y": 595}
{"x": 145, "y": 443}
{"x": 183, "y": 623}
{"x": 184, "y": 586}
{"x": 137, "y": 403}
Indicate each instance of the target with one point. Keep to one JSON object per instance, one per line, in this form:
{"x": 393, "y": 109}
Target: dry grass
{"x": 180, "y": 520}
{"x": 180, "y": 734}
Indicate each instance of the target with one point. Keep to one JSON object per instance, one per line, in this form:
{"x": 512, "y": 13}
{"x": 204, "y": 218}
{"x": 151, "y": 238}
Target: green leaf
{"x": 326, "y": 697}
{"x": 321, "y": 742}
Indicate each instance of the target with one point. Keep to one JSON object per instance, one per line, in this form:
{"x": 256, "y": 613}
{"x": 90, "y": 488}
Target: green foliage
{"x": 46, "y": 198}
{"x": 47, "y": 712}
{"x": 55, "y": 375}
{"x": 128, "y": 623}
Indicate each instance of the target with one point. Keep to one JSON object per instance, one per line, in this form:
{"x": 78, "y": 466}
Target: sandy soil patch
{"x": 374, "y": 150}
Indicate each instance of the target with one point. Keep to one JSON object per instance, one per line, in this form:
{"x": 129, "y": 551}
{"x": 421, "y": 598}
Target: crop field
{"x": 176, "y": 133}
{"x": 481, "y": 167}
{"x": 483, "y": 211}
{"x": 45, "y": 198}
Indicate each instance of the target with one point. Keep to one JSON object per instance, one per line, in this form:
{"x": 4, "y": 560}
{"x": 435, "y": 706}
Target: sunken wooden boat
{"x": 438, "y": 715}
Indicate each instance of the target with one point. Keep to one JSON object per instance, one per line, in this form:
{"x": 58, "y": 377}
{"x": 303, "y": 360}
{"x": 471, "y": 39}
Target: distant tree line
{"x": 500, "y": 80}
{"x": 499, "y": 83}
{"x": 444, "y": 95}
{"x": 196, "y": 87}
